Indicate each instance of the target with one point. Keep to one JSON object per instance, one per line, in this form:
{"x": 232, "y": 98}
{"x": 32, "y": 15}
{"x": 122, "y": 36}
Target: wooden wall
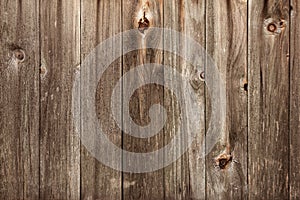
{"x": 255, "y": 45}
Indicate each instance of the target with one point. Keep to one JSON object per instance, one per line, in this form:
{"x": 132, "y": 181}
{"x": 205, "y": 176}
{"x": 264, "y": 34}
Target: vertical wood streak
{"x": 185, "y": 178}
{"x": 19, "y": 99}
{"x": 294, "y": 101}
{"x": 101, "y": 20}
{"x": 226, "y": 43}
{"x": 268, "y": 99}
{"x": 143, "y": 185}
{"x": 59, "y": 143}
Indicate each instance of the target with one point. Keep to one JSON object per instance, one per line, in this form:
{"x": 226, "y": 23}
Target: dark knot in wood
{"x": 19, "y": 54}
{"x": 143, "y": 24}
{"x": 272, "y": 27}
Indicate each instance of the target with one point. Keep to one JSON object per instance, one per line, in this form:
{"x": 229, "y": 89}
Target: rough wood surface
{"x": 59, "y": 143}
{"x": 19, "y": 99}
{"x": 185, "y": 178}
{"x": 268, "y": 99}
{"x": 226, "y": 43}
{"x": 97, "y": 24}
{"x": 254, "y": 44}
{"x": 294, "y": 101}
{"x": 144, "y": 185}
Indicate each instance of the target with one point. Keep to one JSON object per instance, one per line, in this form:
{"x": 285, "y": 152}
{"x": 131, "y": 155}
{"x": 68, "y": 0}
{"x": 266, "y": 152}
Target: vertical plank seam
{"x": 205, "y": 112}
{"x": 80, "y": 159}
{"x": 248, "y": 100}
{"x": 122, "y": 88}
{"x": 289, "y": 104}
{"x": 40, "y": 94}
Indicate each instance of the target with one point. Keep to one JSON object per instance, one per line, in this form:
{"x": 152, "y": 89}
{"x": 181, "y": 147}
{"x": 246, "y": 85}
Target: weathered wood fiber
{"x": 145, "y": 185}
{"x": 19, "y": 99}
{"x": 59, "y": 143}
{"x": 99, "y": 21}
{"x": 294, "y": 101}
{"x": 226, "y": 43}
{"x": 268, "y": 140}
{"x": 185, "y": 178}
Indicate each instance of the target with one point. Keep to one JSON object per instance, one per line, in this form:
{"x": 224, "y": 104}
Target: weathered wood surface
{"x": 19, "y": 99}
{"x": 254, "y": 44}
{"x": 59, "y": 143}
{"x": 97, "y": 24}
{"x": 268, "y": 117}
{"x": 185, "y": 178}
{"x": 294, "y": 139}
{"x": 226, "y": 43}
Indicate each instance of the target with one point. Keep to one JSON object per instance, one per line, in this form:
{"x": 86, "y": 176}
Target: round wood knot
{"x": 272, "y": 27}
{"x": 143, "y": 24}
{"x": 19, "y": 54}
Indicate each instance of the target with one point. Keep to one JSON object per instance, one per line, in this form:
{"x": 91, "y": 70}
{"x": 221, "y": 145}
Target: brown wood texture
{"x": 268, "y": 117}
{"x": 59, "y": 143}
{"x": 294, "y": 139}
{"x": 144, "y": 185}
{"x": 253, "y": 43}
{"x": 19, "y": 100}
{"x": 185, "y": 178}
{"x": 99, "y": 21}
{"x": 226, "y": 43}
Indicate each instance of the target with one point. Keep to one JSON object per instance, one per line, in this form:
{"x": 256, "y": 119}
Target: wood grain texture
{"x": 294, "y": 101}
{"x": 59, "y": 144}
{"x": 268, "y": 99}
{"x": 19, "y": 99}
{"x": 143, "y": 185}
{"x": 101, "y": 20}
{"x": 185, "y": 178}
{"x": 226, "y": 43}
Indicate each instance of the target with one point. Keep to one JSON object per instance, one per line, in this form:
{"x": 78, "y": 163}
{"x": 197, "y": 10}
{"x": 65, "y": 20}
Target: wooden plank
{"x": 59, "y": 144}
{"x": 143, "y": 185}
{"x": 268, "y": 99}
{"x": 294, "y": 101}
{"x": 101, "y": 20}
{"x": 185, "y": 178}
{"x": 19, "y": 99}
{"x": 226, "y": 43}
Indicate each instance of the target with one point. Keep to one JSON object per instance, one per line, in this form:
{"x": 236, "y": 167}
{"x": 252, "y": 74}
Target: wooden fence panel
{"x": 254, "y": 44}
{"x": 99, "y": 21}
{"x": 59, "y": 143}
{"x": 294, "y": 101}
{"x": 268, "y": 99}
{"x": 226, "y": 43}
{"x": 19, "y": 99}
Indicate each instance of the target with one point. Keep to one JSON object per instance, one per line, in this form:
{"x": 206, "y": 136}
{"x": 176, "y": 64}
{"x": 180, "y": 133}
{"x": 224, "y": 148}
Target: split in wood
{"x": 143, "y": 24}
{"x": 19, "y": 54}
{"x": 197, "y": 79}
{"x": 223, "y": 160}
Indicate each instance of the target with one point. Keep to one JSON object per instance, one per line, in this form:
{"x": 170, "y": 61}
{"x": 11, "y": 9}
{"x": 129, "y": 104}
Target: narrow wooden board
{"x": 144, "y": 185}
{"x": 268, "y": 99}
{"x": 59, "y": 143}
{"x": 294, "y": 101}
{"x": 185, "y": 178}
{"x": 226, "y": 43}
{"x": 101, "y": 20}
{"x": 19, "y": 99}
